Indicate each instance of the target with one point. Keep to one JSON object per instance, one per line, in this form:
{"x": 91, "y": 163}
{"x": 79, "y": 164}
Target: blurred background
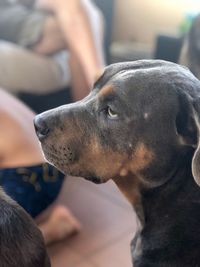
{"x": 138, "y": 30}
{"x": 150, "y": 29}
{"x": 133, "y": 30}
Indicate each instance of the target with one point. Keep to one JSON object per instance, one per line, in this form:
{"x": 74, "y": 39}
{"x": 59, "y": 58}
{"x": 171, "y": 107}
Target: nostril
{"x": 41, "y": 128}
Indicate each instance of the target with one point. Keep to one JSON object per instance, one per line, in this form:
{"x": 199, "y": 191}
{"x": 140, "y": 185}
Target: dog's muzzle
{"x": 41, "y": 128}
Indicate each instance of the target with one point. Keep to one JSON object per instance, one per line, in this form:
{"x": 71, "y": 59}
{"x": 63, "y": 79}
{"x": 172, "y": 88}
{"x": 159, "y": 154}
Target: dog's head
{"x": 140, "y": 120}
{"x": 21, "y": 241}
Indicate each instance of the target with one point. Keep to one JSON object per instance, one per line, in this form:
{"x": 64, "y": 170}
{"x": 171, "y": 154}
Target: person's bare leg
{"x": 57, "y": 223}
{"x": 18, "y": 142}
{"x": 39, "y": 74}
{"x": 19, "y": 147}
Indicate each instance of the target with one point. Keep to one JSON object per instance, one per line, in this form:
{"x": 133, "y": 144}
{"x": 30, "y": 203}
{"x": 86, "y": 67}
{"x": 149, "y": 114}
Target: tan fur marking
{"x": 104, "y": 162}
{"x": 141, "y": 158}
{"x": 130, "y": 180}
{"x": 106, "y": 90}
{"x": 123, "y": 172}
{"x": 130, "y": 188}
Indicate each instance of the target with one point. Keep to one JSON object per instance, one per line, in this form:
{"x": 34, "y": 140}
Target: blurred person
{"x": 190, "y": 52}
{"x": 25, "y": 176}
{"x": 47, "y": 45}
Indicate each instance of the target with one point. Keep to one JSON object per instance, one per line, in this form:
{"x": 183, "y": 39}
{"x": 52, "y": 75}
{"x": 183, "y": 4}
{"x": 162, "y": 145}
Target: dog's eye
{"x": 112, "y": 114}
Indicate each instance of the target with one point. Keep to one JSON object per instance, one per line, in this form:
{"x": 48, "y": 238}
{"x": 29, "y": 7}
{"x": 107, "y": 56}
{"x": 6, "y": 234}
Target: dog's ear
{"x": 188, "y": 129}
{"x": 196, "y": 157}
{"x": 186, "y": 125}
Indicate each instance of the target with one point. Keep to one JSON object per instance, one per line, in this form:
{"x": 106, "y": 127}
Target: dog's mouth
{"x": 96, "y": 180}
{"x": 64, "y": 162}
{"x": 59, "y": 156}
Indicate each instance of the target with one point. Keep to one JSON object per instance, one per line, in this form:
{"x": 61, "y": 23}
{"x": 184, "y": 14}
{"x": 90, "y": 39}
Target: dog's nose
{"x": 41, "y": 128}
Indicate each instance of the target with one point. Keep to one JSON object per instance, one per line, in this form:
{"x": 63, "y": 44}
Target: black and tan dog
{"x": 140, "y": 127}
{"x": 21, "y": 243}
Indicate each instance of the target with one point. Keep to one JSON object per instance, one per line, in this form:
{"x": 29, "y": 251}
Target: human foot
{"x": 59, "y": 225}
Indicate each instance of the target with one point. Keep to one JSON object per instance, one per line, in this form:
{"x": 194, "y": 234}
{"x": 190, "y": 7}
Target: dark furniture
{"x": 168, "y": 48}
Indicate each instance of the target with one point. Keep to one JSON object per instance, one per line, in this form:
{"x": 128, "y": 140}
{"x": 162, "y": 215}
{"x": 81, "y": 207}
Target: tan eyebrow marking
{"x": 142, "y": 157}
{"x": 106, "y": 90}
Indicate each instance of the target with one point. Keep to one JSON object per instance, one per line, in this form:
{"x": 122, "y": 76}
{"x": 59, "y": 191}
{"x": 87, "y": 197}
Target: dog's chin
{"x": 66, "y": 171}
{"x": 95, "y": 180}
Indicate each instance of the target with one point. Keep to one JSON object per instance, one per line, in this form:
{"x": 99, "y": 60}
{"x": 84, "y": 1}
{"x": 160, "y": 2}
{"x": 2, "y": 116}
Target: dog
{"x": 140, "y": 127}
{"x": 21, "y": 243}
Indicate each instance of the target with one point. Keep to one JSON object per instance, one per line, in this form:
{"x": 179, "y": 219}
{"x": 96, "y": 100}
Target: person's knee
{"x": 10, "y": 53}
{"x": 7, "y": 48}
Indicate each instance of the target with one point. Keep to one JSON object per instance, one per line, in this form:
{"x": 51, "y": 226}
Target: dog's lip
{"x": 94, "y": 179}
{"x": 54, "y": 159}
{"x": 49, "y": 154}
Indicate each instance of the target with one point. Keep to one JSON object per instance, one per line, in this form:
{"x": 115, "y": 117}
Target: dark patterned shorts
{"x": 34, "y": 187}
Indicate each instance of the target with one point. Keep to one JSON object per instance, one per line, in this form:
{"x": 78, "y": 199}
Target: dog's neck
{"x": 130, "y": 188}
{"x": 166, "y": 213}
{"x": 142, "y": 196}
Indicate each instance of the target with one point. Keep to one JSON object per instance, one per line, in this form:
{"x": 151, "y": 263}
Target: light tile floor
{"x": 108, "y": 225}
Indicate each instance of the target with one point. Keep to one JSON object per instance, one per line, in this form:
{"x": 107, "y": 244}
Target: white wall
{"x": 141, "y": 20}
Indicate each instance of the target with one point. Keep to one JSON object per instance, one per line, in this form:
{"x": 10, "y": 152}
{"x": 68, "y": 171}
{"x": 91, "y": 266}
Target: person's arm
{"x": 76, "y": 28}
{"x": 51, "y": 39}
{"x": 20, "y": 25}
{"x": 77, "y": 31}
{"x": 29, "y": 27}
